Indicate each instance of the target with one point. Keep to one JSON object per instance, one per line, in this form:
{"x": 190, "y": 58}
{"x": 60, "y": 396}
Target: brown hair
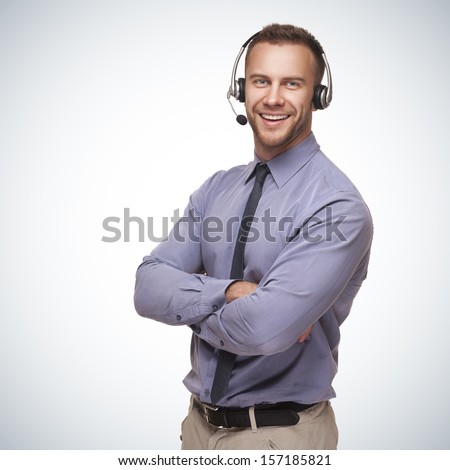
{"x": 286, "y": 33}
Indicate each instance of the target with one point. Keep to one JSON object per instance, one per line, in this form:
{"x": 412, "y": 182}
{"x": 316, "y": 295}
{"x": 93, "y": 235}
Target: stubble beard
{"x": 273, "y": 140}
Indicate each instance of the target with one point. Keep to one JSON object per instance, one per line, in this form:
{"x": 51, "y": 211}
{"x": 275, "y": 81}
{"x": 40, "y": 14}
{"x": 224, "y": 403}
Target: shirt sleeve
{"x": 327, "y": 259}
{"x": 171, "y": 286}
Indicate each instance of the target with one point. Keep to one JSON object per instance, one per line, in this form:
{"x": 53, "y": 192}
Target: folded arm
{"x": 171, "y": 286}
{"x": 240, "y": 289}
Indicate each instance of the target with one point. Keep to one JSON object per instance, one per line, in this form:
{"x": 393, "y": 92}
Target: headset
{"x": 322, "y": 97}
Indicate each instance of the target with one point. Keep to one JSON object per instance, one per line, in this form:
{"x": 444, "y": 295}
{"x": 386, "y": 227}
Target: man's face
{"x": 279, "y": 89}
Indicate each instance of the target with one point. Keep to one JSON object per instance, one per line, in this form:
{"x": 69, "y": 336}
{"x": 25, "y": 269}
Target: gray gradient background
{"x": 99, "y": 100}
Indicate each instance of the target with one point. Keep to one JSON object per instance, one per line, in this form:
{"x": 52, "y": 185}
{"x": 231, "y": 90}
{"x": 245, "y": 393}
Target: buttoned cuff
{"x": 198, "y": 298}
{"x": 213, "y": 295}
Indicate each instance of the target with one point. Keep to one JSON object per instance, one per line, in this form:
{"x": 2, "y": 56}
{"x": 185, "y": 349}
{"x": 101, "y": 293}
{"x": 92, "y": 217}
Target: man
{"x": 301, "y": 257}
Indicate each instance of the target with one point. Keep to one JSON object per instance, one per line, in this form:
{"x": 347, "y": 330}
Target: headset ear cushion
{"x": 240, "y": 90}
{"x": 320, "y": 97}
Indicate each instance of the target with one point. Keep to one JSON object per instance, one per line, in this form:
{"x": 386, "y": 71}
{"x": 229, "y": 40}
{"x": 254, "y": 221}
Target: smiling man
{"x": 265, "y": 297}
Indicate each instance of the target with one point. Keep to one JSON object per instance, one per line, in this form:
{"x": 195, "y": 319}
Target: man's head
{"x": 283, "y": 66}
{"x": 287, "y": 33}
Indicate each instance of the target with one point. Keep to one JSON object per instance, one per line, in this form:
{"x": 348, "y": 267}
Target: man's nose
{"x": 274, "y": 96}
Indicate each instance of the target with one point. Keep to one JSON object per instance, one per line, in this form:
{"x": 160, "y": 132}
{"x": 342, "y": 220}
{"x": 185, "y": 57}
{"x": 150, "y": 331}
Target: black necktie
{"x": 226, "y": 359}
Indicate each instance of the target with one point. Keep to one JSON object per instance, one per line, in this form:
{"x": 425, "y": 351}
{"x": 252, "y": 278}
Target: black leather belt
{"x": 278, "y": 414}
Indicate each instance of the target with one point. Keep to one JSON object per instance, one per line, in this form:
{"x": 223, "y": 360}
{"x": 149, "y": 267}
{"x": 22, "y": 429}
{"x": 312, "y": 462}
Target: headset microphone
{"x": 240, "y": 118}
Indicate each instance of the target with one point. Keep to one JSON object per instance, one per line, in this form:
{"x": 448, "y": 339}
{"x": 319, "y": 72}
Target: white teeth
{"x": 272, "y": 117}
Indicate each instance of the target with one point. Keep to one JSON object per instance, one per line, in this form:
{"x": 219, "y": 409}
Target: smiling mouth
{"x": 274, "y": 117}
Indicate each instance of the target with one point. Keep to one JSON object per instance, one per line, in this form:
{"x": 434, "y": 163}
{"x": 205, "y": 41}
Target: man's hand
{"x": 305, "y": 335}
{"x": 239, "y": 289}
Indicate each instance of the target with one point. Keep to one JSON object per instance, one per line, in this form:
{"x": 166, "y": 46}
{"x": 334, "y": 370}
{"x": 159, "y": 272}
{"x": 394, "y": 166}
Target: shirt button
{"x": 198, "y": 330}
{"x": 214, "y": 308}
{"x": 222, "y": 343}
{"x": 207, "y": 392}
{"x": 178, "y": 317}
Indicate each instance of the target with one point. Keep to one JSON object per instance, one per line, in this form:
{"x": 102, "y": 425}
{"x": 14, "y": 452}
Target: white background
{"x": 106, "y": 105}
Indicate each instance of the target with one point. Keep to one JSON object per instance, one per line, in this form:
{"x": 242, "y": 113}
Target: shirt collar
{"x": 285, "y": 165}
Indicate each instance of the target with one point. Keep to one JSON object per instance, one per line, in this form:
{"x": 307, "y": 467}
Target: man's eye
{"x": 260, "y": 82}
{"x": 293, "y": 84}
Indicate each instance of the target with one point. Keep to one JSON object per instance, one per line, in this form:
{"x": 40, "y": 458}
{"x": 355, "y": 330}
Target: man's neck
{"x": 266, "y": 153}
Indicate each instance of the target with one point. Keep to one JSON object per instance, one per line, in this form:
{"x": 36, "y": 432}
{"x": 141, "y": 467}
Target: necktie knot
{"x": 261, "y": 171}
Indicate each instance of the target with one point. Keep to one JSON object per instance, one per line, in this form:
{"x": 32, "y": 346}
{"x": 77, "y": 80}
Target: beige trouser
{"x": 316, "y": 430}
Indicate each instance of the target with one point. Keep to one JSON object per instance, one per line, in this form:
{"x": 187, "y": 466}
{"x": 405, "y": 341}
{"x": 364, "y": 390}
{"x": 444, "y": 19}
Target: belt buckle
{"x": 210, "y": 408}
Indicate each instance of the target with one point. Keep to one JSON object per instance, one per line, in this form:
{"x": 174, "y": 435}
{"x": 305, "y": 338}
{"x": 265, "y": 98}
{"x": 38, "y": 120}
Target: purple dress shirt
{"x": 308, "y": 250}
